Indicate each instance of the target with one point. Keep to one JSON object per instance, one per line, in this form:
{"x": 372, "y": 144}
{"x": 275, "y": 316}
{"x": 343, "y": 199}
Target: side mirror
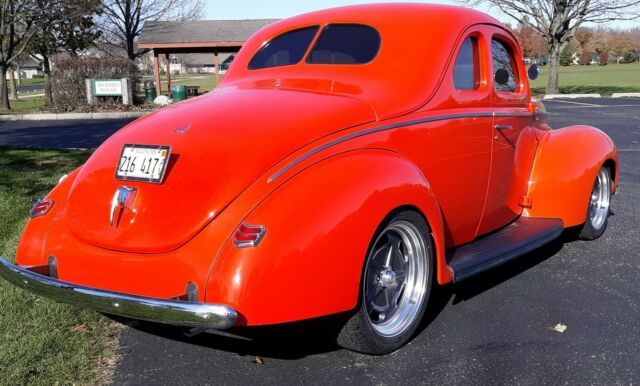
{"x": 533, "y": 72}
{"x": 502, "y": 76}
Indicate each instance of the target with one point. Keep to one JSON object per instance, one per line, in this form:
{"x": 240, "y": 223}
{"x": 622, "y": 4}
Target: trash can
{"x": 149, "y": 91}
{"x": 179, "y": 92}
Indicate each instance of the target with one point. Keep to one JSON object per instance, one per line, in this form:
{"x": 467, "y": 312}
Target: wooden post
{"x": 216, "y": 64}
{"x": 168, "y": 73}
{"x": 156, "y": 72}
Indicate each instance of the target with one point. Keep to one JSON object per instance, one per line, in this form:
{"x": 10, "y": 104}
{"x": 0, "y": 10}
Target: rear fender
{"x": 564, "y": 170}
{"x": 29, "y": 252}
{"x": 319, "y": 225}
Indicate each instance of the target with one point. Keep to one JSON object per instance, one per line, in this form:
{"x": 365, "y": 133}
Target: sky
{"x": 279, "y": 9}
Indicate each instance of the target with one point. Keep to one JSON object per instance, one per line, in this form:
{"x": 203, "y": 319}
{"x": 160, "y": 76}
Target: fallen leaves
{"x": 81, "y": 329}
{"x": 559, "y": 328}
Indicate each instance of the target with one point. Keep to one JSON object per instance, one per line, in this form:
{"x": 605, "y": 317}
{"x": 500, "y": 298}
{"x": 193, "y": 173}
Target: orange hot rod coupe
{"x": 351, "y": 159}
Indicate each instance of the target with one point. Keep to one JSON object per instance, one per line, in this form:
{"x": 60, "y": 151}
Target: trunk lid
{"x": 220, "y": 143}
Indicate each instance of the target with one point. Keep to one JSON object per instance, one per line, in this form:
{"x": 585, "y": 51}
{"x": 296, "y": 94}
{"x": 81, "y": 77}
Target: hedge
{"x": 68, "y": 86}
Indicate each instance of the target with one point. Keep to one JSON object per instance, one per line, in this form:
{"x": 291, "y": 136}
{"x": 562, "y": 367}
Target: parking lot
{"x": 496, "y": 328}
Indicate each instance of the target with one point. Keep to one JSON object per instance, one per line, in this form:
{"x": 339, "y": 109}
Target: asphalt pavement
{"x": 30, "y": 88}
{"x": 88, "y": 133}
{"x": 496, "y": 328}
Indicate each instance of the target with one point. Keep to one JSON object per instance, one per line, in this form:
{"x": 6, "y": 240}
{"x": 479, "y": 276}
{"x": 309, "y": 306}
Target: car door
{"x": 514, "y": 141}
{"x": 456, "y": 156}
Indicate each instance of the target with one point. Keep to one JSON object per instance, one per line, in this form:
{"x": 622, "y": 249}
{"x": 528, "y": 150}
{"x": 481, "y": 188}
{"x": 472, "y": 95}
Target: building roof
{"x": 199, "y": 33}
{"x": 203, "y": 59}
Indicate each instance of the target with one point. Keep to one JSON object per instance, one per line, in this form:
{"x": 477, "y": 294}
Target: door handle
{"x": 504, "y": 127}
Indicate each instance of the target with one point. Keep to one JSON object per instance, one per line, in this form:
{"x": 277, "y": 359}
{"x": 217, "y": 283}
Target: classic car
{"x": 351, "y": 160}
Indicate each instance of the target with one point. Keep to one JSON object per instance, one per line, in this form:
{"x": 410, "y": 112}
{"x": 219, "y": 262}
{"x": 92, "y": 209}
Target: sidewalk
{"x": 69, "y": 116}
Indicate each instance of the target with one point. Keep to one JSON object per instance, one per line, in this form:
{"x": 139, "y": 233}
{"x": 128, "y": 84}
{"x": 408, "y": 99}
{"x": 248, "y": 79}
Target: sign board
{"x": 106, "y": 87}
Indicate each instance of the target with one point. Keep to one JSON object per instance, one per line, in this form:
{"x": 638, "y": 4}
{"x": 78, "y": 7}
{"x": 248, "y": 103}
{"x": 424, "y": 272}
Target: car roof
{"x": 416, "y": 45}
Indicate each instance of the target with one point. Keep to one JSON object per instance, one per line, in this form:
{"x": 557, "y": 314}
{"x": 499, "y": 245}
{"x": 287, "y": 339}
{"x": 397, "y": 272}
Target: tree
{"x": 557, "y": 20}
{"x": 122, "y": 20}
{"x": 16, "y": 30}
{"x": 620, "y": 43}
{"x": 566, "y": 57}
{"x": 586, "y": 57}
{"x": 533, "y": 45}
{"x": 65, "y": 26}
{"x": 603, "y": 58}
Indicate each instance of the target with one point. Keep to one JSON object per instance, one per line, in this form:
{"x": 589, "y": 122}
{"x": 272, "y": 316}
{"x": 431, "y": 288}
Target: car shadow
{"x": 284, "y": 341}
{"x": 317, "y": 336}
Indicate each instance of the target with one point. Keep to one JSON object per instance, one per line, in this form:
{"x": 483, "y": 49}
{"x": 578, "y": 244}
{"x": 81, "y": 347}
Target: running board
{"x": 516, "y": 239}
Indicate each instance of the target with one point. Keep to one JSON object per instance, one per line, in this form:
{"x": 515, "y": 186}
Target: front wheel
{"x": 599, "y": 206}
{"x": 395, "y": 287}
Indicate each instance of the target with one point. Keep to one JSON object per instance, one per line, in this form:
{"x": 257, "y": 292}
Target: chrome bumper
{"x": 180, "y": 313}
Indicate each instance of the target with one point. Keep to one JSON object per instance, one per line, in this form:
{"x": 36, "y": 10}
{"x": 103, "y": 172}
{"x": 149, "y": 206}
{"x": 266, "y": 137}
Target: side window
{"x": 285, "y": 49}
{"x": 503, "y": 60}
{"x": 466, "y": 72}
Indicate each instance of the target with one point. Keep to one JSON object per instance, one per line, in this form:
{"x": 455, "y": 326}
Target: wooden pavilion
{"x": 200, "y": 36}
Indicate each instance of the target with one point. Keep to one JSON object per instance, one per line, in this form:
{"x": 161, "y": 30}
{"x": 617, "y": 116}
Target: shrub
{"x": 629, "y": 57}
{"x": 37, "y": 76}
{"x": 604, "y": 58}
{"x": 585, "y": 57}
{"x": 68, "y": 86}
{"x": 566, "y": 57}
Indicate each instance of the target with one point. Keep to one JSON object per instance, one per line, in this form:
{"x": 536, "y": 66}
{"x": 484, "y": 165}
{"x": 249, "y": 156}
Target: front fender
{"x": 564, "y": 170}
{"x": 319, "y": 224}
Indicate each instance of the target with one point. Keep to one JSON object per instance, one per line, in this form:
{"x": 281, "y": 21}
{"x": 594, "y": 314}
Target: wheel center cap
{"x": 387, "y": 278}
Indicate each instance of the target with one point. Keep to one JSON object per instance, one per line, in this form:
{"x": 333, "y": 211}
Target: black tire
{"x": 599, "y": 206}
{"x": 362, "y": 334}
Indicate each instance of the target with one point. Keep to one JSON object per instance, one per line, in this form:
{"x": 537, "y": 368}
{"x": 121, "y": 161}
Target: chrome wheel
{"x": 600, "y": 199}
{"x": 395, "y": 279}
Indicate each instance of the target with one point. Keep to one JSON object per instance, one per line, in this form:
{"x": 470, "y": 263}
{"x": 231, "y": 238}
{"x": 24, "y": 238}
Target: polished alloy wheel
{"x": 600, "y": 199}
{"x": 395, "y": 278}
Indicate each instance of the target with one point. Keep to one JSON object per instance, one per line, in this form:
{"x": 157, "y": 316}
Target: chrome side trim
{"x": 337, "y": 141}
{"x": 175, "y": 312}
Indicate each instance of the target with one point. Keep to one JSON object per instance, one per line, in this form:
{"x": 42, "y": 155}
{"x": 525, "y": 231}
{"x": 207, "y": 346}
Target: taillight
{"x": 248, "y": 235}
{"x": 40, "y": 208}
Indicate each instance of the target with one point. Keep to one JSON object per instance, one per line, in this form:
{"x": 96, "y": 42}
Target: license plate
{"x": 145, "y": 163}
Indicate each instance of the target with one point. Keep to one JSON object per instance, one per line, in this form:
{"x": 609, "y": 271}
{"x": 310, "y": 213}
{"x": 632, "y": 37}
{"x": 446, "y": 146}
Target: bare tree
{"x": 557, "y": 20}
{"x": 16, "y": 30}
{"x": 122, "y": 20}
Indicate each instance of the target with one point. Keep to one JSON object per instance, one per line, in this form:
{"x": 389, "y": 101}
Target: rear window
{"x": 285, "y": 49}
{"x": 345, "y": 44}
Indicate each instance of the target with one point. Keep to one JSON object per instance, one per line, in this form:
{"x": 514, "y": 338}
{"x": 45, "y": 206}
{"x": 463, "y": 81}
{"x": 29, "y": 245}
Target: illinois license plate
{"x": 146, "y": 163}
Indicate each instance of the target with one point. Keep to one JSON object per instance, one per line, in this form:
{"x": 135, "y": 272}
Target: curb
{"x": 626, "y": 95}
{"x": 69, "y": 116}
{"x": 571, "y": 96}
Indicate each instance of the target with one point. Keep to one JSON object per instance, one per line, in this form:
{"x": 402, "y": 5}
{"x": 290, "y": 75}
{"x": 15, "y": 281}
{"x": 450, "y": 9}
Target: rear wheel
{"x": 599, "y": 206}
{"x": 395, "y": 286}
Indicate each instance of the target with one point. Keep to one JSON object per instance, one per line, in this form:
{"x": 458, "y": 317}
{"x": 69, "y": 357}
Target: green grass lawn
{"x": 42, "y": 342}
{"x": 207, "y": 82}
{"x": 32, "y": 82}
{"x": 25, "y": 106}
{"x": 603, "y": 80}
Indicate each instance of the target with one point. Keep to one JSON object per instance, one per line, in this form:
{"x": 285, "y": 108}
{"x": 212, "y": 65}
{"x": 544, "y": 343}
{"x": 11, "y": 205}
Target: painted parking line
{"x": 590, "y": 106}
{"x": 574, "y": 103}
